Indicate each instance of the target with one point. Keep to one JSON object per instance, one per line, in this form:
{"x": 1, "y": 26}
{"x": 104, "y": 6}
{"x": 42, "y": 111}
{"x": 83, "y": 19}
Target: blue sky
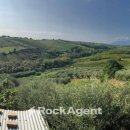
{"x": 82, "y": 20}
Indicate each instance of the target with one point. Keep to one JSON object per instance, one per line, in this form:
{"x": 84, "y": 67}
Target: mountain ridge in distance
{"x": 122, "y": 43}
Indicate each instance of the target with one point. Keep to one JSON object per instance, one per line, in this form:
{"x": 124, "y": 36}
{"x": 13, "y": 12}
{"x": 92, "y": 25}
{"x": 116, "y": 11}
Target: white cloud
{"x": 33, "y": 34}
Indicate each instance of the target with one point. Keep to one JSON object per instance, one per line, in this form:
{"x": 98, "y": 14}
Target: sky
{"x": 78, "y": 20}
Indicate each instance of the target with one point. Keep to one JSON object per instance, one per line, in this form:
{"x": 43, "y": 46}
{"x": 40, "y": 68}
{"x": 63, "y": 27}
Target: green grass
{"x": 45, "y": 44}
{"x": 10, "y": 49}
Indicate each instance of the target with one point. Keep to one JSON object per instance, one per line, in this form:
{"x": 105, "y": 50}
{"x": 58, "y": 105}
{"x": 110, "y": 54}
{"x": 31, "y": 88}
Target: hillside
{"x": 59, "y": 73}
{"x": 23, "y": 54}
{"x": 48, "y": 44}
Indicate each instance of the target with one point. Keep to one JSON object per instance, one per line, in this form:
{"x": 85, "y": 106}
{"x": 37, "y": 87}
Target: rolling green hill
{"x": 49, "y": 44}
{"x": 23, "y": 54}
{"x": 29, "y": 54}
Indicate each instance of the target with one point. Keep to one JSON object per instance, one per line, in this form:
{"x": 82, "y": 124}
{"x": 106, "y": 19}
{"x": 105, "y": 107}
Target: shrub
{"x": 7, "y": 99}
{"x": 64, "y": 80}
{"x": 123, "y": 75}
{"x": 113, "y": 101}
{"x": 111, "y": 68}
{"x": 23, "y": 74}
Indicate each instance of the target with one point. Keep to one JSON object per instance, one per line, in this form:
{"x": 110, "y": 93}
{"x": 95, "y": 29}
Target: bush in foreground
{"x": 113, "y": 100}
{"x": 123, "y": 75}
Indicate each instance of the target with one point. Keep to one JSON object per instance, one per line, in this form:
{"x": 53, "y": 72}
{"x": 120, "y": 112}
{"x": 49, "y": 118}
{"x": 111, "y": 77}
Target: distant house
{"x": 22, "y": 120}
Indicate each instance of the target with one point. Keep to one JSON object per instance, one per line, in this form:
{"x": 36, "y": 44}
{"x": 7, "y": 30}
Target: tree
{"x": 111, "y": 67}
{"x": 5, "y": 83}
{"x": 14, "y": 50}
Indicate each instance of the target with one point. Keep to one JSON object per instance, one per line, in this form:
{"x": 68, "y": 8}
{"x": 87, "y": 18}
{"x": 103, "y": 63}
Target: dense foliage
{"x": 123, "y": 75}
{"x": 111, "y": 68}
{"x": 84, "y": 94}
